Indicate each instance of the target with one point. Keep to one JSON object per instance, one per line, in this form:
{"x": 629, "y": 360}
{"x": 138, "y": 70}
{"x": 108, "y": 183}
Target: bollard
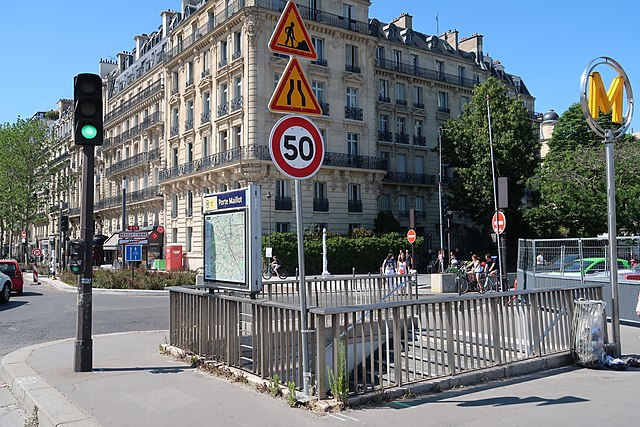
{"x": 353, "y": 271}
{"x": 35, "y": 274}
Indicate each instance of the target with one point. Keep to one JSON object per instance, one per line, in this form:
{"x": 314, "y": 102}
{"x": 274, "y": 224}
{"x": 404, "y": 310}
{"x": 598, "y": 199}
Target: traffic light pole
{"x": 83, "y": 360}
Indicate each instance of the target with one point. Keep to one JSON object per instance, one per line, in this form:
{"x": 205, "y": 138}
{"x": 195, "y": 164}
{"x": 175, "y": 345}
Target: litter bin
{"x": 587, "y": 340}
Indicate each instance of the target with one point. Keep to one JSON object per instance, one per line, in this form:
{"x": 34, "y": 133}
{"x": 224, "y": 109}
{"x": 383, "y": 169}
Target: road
{"x": 44, "y": 314}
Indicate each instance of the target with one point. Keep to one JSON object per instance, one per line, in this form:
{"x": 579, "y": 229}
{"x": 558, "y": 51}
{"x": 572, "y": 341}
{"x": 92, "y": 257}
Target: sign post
{"x": 594, "y": 100}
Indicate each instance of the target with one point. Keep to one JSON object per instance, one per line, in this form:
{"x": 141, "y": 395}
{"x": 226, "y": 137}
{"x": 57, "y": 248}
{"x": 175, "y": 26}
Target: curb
{"x": 61, "y": 286}
{"x": 32, "y": 391}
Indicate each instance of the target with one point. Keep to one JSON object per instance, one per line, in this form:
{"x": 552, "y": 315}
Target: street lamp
{"x": 440, "y": 198}
{"x": 448, "y": 215}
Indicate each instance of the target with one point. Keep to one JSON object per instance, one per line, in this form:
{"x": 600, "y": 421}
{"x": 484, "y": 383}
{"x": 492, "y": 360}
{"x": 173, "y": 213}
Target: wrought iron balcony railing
{"x": 283, "y": 204}
{"x": 321, "y": 205}
{"x": 354, "y": 206}
{"x": 353, "y": 113}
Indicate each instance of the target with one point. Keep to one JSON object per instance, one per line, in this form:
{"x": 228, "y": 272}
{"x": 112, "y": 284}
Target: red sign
{"x": 411, "y": 235}
{"x": 290, "y": 36}
{"x": 296, "y": 147}
{"x": 133, "y": 228}
{"x": 499, "y": 222}
{"x": 23, "y": 234}
{"x": 36, "y": 252}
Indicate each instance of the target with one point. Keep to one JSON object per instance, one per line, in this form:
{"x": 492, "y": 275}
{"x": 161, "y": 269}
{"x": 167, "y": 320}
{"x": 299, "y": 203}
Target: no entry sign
{"x": 499, "y": 222}
{"x": 296, "y": 147}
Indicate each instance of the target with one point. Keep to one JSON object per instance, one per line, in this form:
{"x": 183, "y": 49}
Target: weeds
{"x": 339, "y": 381}
{"x": 32, "y": 421}
{"x": 291, "y": 398}
{"x": 274, "y": 386}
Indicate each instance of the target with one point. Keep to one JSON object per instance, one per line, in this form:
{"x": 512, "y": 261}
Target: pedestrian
{"x": 409, "y": 259}
{"x": 389, "y": 268}
{"x": 540, "y": 259}
{"x": 453, "y": 260}
{"x": 638, "y": 306}
{"x": 402, "y": 264}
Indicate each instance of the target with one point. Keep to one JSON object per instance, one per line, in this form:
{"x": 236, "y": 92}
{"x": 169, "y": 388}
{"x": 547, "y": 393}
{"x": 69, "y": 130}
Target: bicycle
{"x": 464, "y": 285}
{"x": 268, "y": 271}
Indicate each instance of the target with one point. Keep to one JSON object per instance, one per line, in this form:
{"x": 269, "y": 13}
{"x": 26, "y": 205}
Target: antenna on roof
{"x": 437, "y": 26}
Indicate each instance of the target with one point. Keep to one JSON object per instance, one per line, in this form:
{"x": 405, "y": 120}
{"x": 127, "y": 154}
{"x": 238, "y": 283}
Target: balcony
{"x": 402, "y": 138}
{"x": 403, "y": 213}
{"x": 409, "y": 178}
{"x": 420, "y": 140}
{"x": 252, "y": 152}
{"x": 325, "y": 108}
{"x": 382, "y": 98}
{"x": 414, "y": 70}
{"x": 320, "y": 62}
{"x": 188, "y": 124}
{"x": 188, "y": 212}
{"x": 206, "y": 73}
{"x": 321, "y": 205}
{"x": 222, "y": 63}
{"x": 175, "y": 91}
{"x": 419, "y": 214}
{"x": 205, "y": 117}
{"x": 401, "y": 102}
{"x": 353, "y": 113}
{"x": 350, "y": 68}
{"x": 155, "y": 88}
{"x": 444, "y": 111}
{"x": 149, "y": 121}
{"x": 384, "y": 135}
{"x": 223, "y": 110}
{"x": 418, "y": 105}
{"x": 133, "y": 161}
{"x": 174, "y": 131}
{"x": 236, "y": 55}
{"x": 354, "y": 161}
{"x": 354, "y": 206}
{"x": 236, "y": 103}
{"x": 283, "y": 204}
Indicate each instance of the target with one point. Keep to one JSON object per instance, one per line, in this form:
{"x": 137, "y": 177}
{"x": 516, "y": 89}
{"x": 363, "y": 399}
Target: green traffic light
{"x": 89, "y": 131}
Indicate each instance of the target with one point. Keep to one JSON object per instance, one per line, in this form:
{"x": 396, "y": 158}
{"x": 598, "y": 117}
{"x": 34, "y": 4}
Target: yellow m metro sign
{"x": 601, "y": 101}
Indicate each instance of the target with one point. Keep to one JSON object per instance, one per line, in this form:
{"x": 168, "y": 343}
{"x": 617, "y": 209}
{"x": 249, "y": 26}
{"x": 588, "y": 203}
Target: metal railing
{"x": 354, "y": 206}
{"x": 409, "y": 178}
{"x": 283, "y": 204}
{"x": 354, "y": 161}
{"x": 133, "y": 161}
{"x": 353, "y": 113}
{"x": 413, "y": 70}
{"x": 147, "y": 93}
{"x": 321, "y": 205}
{"x": 388, "y": 337}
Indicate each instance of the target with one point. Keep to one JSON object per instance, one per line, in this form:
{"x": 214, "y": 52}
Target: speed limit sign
{"x": 296, "y": 147}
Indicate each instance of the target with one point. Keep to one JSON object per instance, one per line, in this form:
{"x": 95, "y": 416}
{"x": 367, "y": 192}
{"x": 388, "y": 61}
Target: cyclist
{"x": 275, "y": 264}
{"x": 475, "y": 271}
{"x": 491, "y": 266}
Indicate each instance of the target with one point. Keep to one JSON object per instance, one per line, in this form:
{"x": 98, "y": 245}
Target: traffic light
{"x": 156, "y": 236}
{"x": 76, "y": 256}
{"x": 87, "y": 113}
{"x": 64, "y": 223}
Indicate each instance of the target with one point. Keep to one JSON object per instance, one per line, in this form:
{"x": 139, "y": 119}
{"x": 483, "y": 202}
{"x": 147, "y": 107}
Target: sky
{"x": 548, "y": 44}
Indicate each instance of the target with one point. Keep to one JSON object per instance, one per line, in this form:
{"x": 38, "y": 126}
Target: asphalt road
{"x": 45, "y": 314}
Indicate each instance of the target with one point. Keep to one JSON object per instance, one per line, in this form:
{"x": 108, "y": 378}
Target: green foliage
{"x": 339, "y": 381}
{"x": 465, "y": 146}
{"x": 291, "y": 396}
{"x": 571, "y": 194}
{"x": 344, "y": 253}
{"x": 385, "y": 223}
{"x": 142, "y": 279}
{"x": 274, "y": 385}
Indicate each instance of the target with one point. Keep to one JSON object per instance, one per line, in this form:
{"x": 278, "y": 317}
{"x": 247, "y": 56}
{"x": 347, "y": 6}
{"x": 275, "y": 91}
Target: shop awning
{"x": 111, "y": 244}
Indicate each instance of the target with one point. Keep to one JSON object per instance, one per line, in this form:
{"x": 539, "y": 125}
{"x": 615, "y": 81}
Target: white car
{"x": 5, "y": 288}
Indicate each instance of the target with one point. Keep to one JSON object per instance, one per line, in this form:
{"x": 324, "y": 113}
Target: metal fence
{"x": 577, "y": 262}
{"x": 384, "y": 344}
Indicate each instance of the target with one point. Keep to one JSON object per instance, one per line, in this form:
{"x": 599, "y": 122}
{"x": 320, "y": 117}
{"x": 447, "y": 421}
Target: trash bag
{"x": 588, "y": 333}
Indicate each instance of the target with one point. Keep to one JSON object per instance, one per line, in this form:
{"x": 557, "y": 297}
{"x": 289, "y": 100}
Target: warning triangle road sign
{"x": 294, "y": 94}
{"x": 290, "y": 36}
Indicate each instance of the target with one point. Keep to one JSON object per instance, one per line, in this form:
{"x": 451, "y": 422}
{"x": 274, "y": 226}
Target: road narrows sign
{"x": 296, "y": 147}
{"x": 499, "y": 222}
{"x": 290, "y": 35}
{"x": 294, "y": 94}
{"x": 411, "y": 235}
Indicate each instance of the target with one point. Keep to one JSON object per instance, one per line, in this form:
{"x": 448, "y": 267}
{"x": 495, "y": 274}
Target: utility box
{"x": 173, "y": 256}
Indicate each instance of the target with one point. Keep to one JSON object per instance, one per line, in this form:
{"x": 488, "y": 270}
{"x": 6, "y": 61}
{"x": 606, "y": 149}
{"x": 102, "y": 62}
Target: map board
{"x": 232, "y": 239}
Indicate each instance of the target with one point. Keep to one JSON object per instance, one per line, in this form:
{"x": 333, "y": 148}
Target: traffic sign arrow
{"x": 294, "y": 94}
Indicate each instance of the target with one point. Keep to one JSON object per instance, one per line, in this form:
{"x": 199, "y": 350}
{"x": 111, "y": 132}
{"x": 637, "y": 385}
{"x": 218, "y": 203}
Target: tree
{"x": 24, "y": 151}
{"x": 466, "y": 148}
{"x": 570, "y": 186}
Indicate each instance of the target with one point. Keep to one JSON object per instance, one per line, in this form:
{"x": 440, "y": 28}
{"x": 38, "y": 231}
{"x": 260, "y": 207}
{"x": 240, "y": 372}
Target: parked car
{"x": 11, "y": 268}
{"x": 593, "y": 266}
{"x": 5, "y": 288}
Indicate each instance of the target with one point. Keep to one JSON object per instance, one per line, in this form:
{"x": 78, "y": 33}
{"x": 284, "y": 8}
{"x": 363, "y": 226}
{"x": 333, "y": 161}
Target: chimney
{"x": 403, "y": 21}
{"x": 473, "y": 44}
{"x": 105, "y": 67}
{"x": 451, "y": 37}
{"x": 139, "y": 40}
{"x": 166, "y": 15}
{"x": 122, "y": 61}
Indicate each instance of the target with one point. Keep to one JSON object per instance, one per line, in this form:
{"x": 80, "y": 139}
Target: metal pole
{"x": 303, "y": 292}
{"x": 269, "y": 208}
{"x": 124, "y": 212}
{"x": 613, "y": 243}
{"x": 440, "y": 196}
{"x": 501, "y": 265}
{"x": 83, "y": 359}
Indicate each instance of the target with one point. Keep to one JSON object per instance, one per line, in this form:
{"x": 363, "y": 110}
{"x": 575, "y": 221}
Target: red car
{"x": 11, "y": 268}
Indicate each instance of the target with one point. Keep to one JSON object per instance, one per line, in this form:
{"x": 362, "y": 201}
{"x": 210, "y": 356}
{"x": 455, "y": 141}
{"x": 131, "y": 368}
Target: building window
{"x": 380, "y": 52}
{"x": 223, "y": 54}
{"x": 397, "y": 58}
{"x": 402, "y": 163}
{"x": 352, "y": 62}
{"x": 189, "y": 153}
{"x": 401, "y": 94}
{"x": 318, "y": 44}
{"x": 464, "y": 100}
{"x": 237, "y": 136}
{"x": 355, "y": 199}
{"x": 318, "y": 90}
{"x": 174, "y": 235}
{"x": 175, "y": 157}
{"x": 206, "y": 150}
{"x": 222, "y": 141}
{"x": 384, "y": 123}
{"x": 403, "y": 211}
{"x": 189, "y": 74}
{"x": 420, "y": 203}
{"x": 320, "y": 200}
{"x": 283, "y": 195}
{"x": 418, "y": 101}
{"x": 189, "y": 242}
{"x": 443, "y": 102}
{"x": 462, "y": 74}
{"x": 415, "y": 62}
{"x": 276, "y": 80}
{"x": 418, "y": 164}
{"x": 283, "y": 227}
{"x": 385, "y": 203}
{"x": 400, "y": 125}
{"x": 189, "y": 122}
{"x": 174, "y": 206}
{"x": 352, "y": 144}
{"x": 237, "y": 44}
{"x": 440, "y": 70}
{"x": 174, "y": 82}
{"x": 384, "y": 90}
{"x": 352, "y": 97}
{"x": 189, "y": 209}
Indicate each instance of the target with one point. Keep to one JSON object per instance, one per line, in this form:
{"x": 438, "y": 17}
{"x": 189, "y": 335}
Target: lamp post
{"x": 440, "y": 197}
{"x": 448, "y": 215}
{"x": 124, "y": 212}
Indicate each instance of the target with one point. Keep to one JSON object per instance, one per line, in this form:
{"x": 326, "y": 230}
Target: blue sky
{"x": 548, "y": 44}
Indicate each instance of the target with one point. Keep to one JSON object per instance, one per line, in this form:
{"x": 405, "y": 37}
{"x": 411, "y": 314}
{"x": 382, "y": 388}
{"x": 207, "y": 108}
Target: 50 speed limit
{"x": 296, "y": 147}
